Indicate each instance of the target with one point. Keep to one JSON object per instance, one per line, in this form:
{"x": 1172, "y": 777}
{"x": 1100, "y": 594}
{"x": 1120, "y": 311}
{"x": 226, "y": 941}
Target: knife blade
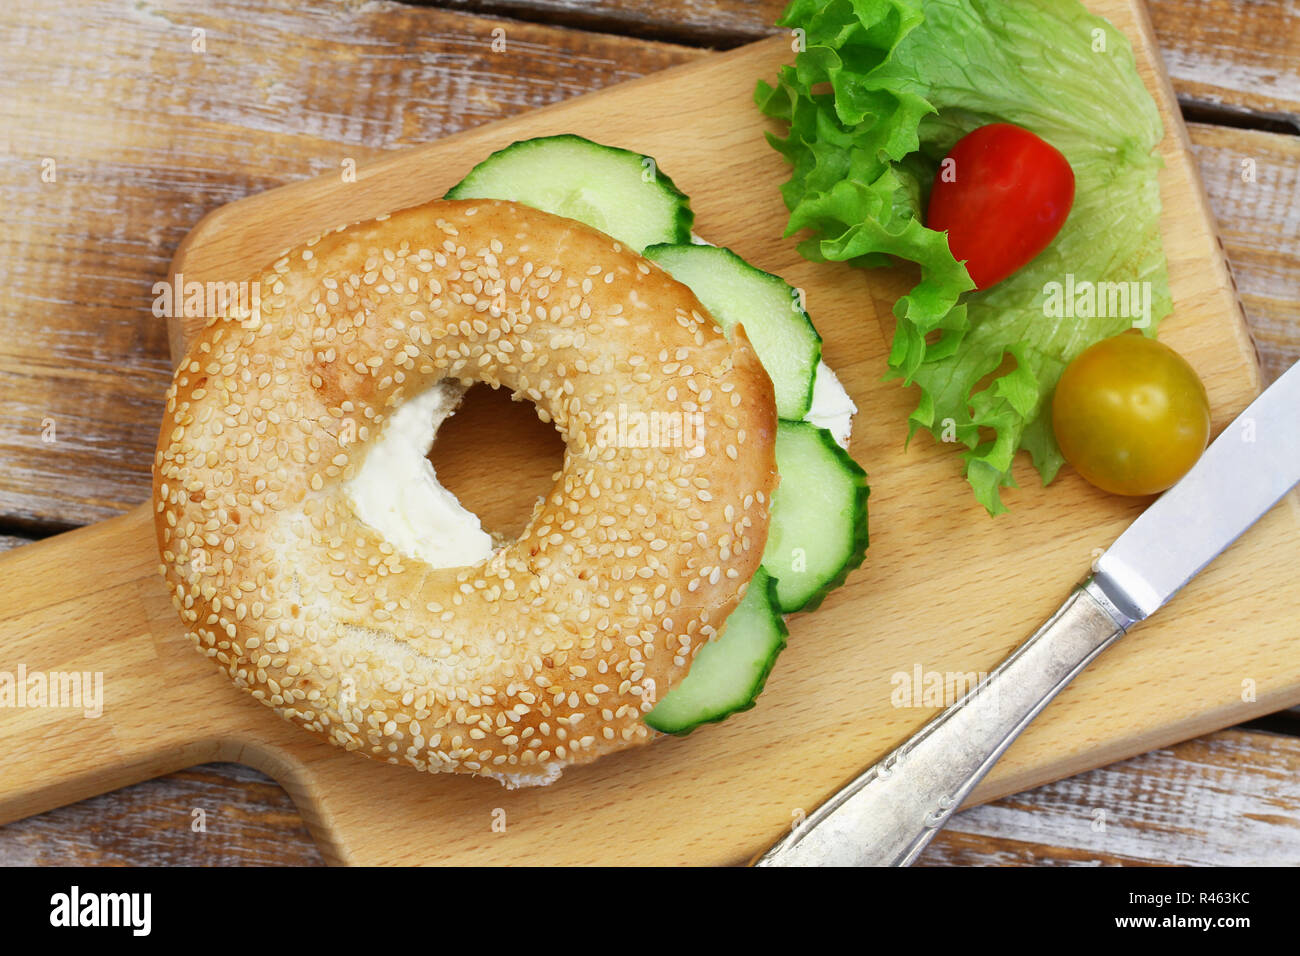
{"x": 892, "y": 810}
{"x": 1248, "y": 468}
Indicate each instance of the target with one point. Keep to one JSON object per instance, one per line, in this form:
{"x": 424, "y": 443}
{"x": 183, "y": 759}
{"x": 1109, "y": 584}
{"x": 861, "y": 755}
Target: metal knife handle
{"x": 887, "y": 815}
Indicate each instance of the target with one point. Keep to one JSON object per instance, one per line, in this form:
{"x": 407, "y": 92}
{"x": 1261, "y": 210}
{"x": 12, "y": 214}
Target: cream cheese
{"x": 396, "y": 490}
{"x": 831, "y": 408}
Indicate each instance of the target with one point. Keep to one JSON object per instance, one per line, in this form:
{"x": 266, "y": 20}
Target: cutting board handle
{"x": 100, "y": 689}
{"x": 84, "y": 705}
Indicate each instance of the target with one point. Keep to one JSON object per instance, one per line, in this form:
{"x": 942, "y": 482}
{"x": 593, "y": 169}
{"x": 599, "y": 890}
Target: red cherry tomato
{"x": 1001, "y": 194}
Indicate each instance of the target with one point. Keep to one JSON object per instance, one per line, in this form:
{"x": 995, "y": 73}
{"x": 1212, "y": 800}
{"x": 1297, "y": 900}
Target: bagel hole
{"x": 498, "y": 458}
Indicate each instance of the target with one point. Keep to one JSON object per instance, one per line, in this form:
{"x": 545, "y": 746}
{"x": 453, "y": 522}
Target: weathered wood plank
{"x": 1237, "y": 55}
{"x": 1220, "y": 53}
{"x": 214, "y": 815}
{"x": 1253, "y": 181}
{"x": 1231, "y": 798}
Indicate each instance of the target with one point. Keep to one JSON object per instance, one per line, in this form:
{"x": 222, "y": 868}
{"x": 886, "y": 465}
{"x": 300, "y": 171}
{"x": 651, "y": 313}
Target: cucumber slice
{"x": 619, "y": 192}
{"x": 729, "y": 672}
{"x": 818, "y": 531}
{"x": 735, "y": 292}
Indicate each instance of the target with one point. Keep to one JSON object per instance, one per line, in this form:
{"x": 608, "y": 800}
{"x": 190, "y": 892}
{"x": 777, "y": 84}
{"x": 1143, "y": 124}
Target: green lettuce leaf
{"x": 880, "y": 92}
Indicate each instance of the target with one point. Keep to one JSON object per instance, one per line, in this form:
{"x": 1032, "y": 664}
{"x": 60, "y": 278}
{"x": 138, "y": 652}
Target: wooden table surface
{"x": 124, "y": 121}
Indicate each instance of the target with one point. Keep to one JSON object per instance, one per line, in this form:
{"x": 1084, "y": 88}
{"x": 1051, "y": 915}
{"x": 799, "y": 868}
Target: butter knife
{"x": 888, "y": 814}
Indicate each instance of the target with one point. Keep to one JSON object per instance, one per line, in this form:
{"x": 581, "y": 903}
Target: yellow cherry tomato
{"x": 1131, "y": 415}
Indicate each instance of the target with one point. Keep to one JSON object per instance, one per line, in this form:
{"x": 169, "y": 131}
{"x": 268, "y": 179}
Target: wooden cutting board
{"x": 945, "y": 588}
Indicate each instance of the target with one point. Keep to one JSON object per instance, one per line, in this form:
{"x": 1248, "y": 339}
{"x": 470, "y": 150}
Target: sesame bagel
{"x": 550, "y": 651}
